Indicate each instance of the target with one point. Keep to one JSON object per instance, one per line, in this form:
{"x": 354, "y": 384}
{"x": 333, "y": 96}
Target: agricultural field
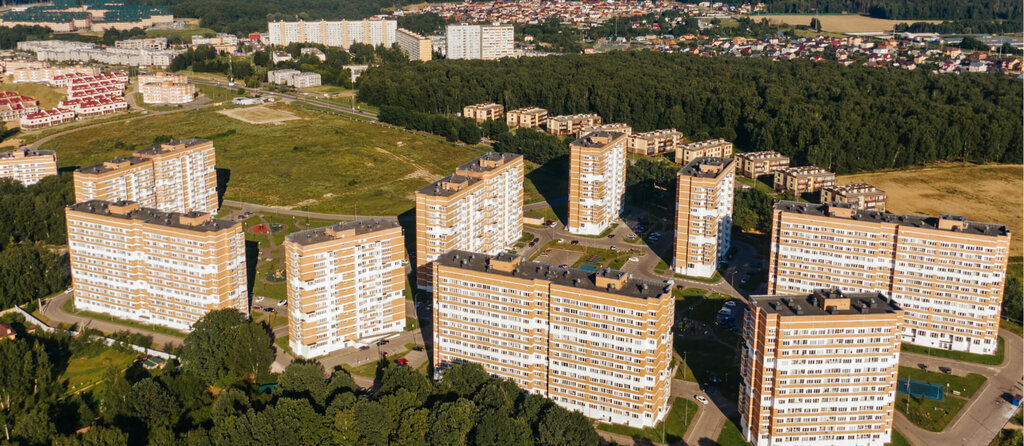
{"x": 838, "y": 23}
{"x": 47, "y": 96}
{"x": 86, "y": 370}
{"x": 984, "y": 193}
{"x": 318, "y": 162}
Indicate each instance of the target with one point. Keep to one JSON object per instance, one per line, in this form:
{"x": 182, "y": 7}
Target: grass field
{"x": 965, "y": 385}
{"x": 260, "y": 114}
{"x": 984, "y": 193}
{"x": 839, "y": 23}
{"x": 185, "y": 34}
{"x": 85, "y": 371}
{"x": 675, "y": 425}
{"x": 345, "y": 166}
{"x": 731, "y": 435}
{"x": 48, "y": 97}
{"x": 935, "y": 415}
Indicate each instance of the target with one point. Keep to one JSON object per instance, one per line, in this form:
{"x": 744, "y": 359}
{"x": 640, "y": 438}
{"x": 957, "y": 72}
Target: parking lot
{"x": 559, "y": 257}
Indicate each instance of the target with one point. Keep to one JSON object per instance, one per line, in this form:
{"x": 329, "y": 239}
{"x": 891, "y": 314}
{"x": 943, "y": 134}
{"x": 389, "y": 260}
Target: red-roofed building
{"x": 47, "y": 118}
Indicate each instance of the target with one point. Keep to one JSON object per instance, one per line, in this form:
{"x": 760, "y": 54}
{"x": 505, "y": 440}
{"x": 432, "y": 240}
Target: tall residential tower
{"x": 703, "y": 215}
{"x": 597, "y": 181}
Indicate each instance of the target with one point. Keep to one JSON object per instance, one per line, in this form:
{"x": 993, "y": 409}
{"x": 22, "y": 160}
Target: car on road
{"x": 561, "y": 240}
{"x": 563, "y": 265}
{"x": 701, "y": 399}
{"x": 382, "y": 342}
{"x": 284, "y": 303}
{"x": 536, "y": 239}
{"x": 730, "y": 303}
{"x": 418, "y": 348}
{"x": 631, "y": 237}
{"x": 634, "y": 259}
{"x": 611, "y": 235}
{"x": 69, "y": 290}
{"x": 258, "y": 299}
{"x": 364, "y": 347}
{"x": 725, "y": 311}
{"x": 574, "y": 242}
{"x": 257, "y": 307}
{"x": 532, "y": 244}
{"x": 614, "y": 248}
{"x": 269, "y": 310}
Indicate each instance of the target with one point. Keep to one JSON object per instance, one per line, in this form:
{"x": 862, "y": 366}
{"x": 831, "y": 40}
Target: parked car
{"x": 382, "y": 342}
{"x": 561, "y": 240}
{"x": 611, "y": 235}
{"x": 418, "y": 348}
{"x": 574, "y": 242}
{"x": 634, "y": 259}
{"x": 258, "y": 299}
{"x": 257, "y": 307}
{"x": 701, "y": 399}
{"x": 730, "y": 303}
{"x": 402, "y": 362}
{"x": 364, "y": 347}
{"x": 613, "y": 248}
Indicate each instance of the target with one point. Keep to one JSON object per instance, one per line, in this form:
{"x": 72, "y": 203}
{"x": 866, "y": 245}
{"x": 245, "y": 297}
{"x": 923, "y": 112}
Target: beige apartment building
{"x": 819, "y": 368}
{"x": 597, "y": 181}
{"x": 484, "y": 112}
{"x": 527, "y": 117}
{"x": 178, "y": 176}
{"x": 565, "y": 125}
{"x": 717, "y": 148}
{"x": 756, "y": 164}
{"x": 654, "y": 143}
{"x": 596, "y": 342}
{"x": 345, "y": 284}
{"x": 858, "y": 195}
{"x": 28, "y": 166}
{"x": 415, "y": 46}
{"x": 153, "y": 267}
{"x": 620, "y": 127}
{"x": 166, "y": 88}
{"x": 946, "y": 272}
{"x": 804, "y": 179}
{"x": 703, "y": 215}
{"x": 479, "y": 209}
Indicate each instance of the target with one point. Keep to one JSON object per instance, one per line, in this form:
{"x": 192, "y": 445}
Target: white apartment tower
{"x": 488, "y": 42}
{"x": 335, "y": 33}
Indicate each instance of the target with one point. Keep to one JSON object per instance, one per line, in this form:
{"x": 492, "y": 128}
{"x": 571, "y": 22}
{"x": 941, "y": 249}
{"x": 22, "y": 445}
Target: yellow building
{"x": 415, "y": 46}
{"x": 487, "y": 111}
{"x": 618, "y": 127}
{"x": 756, "y": 164}
{"x": 28, "y": 166}
{"x": 597, "y": 181}
{"x": 717, "y": 148}
{"x": 528, "y": 117}
{"x": 704, "y": 191}
{"x": 859, "y": 195}
{"x": 805, "y": 179}
{"x": 565, "y": 125}
{"x": 654, "y": 143}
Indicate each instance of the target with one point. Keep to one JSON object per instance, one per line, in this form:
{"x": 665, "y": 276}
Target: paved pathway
{"x": 54, "y": 311}
{"x": 252, "y": 207}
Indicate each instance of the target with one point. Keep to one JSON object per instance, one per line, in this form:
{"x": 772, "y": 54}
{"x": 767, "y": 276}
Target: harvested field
{"x": 838, "y": 23}
{"x": 259, "y": 115}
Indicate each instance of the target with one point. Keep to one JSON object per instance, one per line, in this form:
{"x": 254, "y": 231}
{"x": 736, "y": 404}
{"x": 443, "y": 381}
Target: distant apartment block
{"x": 153, "y": 267}
{"x": 654, "y": 143}
{"x": 619, "y": 127}
{"x": 703, "y": 215}
{"x": 71, "y": 51}
{"x": 859, "y": 196}
{"x": 527, "y": 117}
{"x": 597, "y": 181}
{"x": 341, "y": 33}
{"x": 414, "y": 45}
{"x": 804, "y": 179}
{"x": 315, "y": 52}
{"x": 28, "y": 166}
{"x": 946, "y": 272}
{"x": 717, "y": 148}
{"x": 221, "y": 42}
{"x": 47, "y": 74}
{"x": 345, "y": 285}
{"x": 155, "y": 43}
{"x": 11, "y": 65}
{"x": 166, "y": 88}
{"x": 178, "y": 176}
{"x": 294, "y": 78}
{"x": 479, "y": 209}
{"x": 596, "y": 342}
{"x": 488, "y": 42}
{"x": 756, "y": 164}
{"x": 565, "y": 125}
{"x": 487, "y": 111}
{"x": 819, "y": 368}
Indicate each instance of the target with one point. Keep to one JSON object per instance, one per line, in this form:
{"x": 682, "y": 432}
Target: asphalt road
{"x": 291, "y": 97}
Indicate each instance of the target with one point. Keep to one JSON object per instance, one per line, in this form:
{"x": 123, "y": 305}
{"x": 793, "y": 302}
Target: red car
{"x": 402, "y": 361}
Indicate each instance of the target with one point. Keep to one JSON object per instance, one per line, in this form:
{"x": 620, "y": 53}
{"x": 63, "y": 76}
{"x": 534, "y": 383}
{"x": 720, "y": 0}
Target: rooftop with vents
{"x": 335, "y": 231}
{"x": 825, "y": 302}
{"x": 130, "y": 210}
{"x": 944, "y": 222}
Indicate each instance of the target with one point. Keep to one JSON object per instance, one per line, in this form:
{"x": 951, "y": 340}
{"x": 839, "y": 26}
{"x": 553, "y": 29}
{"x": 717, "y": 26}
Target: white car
{"x": 561, "y": 240}
{"x": 634, "y": 259}
{"x": 258, "y": 299}
{"x": 731, "y": 303}
{"x": 701, "y": 399}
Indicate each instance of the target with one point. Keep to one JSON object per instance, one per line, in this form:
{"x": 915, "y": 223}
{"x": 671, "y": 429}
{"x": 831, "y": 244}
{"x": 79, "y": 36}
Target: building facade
{"x": 859, "y": 195}
{"x": 335, "y": 33}
{"x": 596, "y": 342}
{"x": 654, "y": 143}
{"x": 819, "y": 368}
{"x": 565, "y": 125}
{"x": 527, "y": 117}
{"x": 757, "y": 164}
{"x": 946, "y": 272}
{"x": 597, "y": 181}
{"x": 704, "y": 194}
{"x": 155, "y": 43}
{"x": 619, "y": 127}
{"x": 479, "y": 209}
{"x": 804, "y": 179}
{"x": 168, "y": 92}
{"x": 28, "y": 166}
{"x": 414, "y": 45}
{"x": 345, "y": 285}
{"x": 488, "y": 42}
{"x": 153, "y": 267}
{"x": 717, "y": 148}
{"x": 487, "y": 111}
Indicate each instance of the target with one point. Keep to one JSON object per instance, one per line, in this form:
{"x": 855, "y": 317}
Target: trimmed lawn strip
{"x": 995, "y": 359}
{"x": 715, "y": 278}
{"x": 69, "y": 306}
{"x": 731, "y": 435}
{"x": 675, "y": 425}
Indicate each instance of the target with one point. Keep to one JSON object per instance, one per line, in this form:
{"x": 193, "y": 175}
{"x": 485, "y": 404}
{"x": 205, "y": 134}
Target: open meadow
{"x": 47, "y": 96}
{"x": 838, "y": 23}
{"x": 985, "y": 193}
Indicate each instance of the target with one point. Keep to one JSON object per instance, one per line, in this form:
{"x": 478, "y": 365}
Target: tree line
{"x": 905, "y": 9}
{"x": 847, "y": 119}
{"x": 976, "y": 26}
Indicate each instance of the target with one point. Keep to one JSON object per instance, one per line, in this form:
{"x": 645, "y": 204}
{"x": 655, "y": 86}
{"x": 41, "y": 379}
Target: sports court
{"x": 918, "y": 389}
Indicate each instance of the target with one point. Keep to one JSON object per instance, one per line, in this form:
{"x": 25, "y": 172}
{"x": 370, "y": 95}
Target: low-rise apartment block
{"x": 717, "y": 148}
{"x": 858, "y": 195}
{"x": 620, "y": 127}
{"x": 222, "y": 42}
{"x": 414, "y": 45}
{"x": 153, "y": 267}
{"x": 15, "y": 106}
{"x": 167, "y": 91}
{"x": 479, "y": 209}
{"x": 565, "y": 125}
{"x": 487, "y": 111}
{"x": 654, "y": 143}
{"x": 819, "y": 368}
{"x": 294, "y": 78}
{"x": 597, "y": 181}
{"x": 596, "y": 342}
{"x": 756, "y": 164}
{"x": 178, "y": 176}
{"x": 803, "y": 179}
{"x": 46, "y": 74}
{"x": 526, "y": 117}
{"x": 71, "y": 51}
{"x": 342, "y": 33}
{"x": 946, "y": 272}
{"x": 28, "y": 166}
{"x": 345, "y": 285}
{"x": 703, "y": 215}
{"x": 46, "y": 118}
{"x": 155, "y": 43}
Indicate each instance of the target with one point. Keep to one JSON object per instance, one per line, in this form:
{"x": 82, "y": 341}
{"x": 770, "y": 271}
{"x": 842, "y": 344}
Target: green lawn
{"x": 218, "y": 93}
{"x": 679, "y": 418}
{"x": 85, "y": 371}
{"x": 898, "y": 440}
{"x": 966, "y": 385}
{"x": 546, "y": 182}
{"x": 185, "y": 34}
{"x": 69, "y": 306}
{"x": 731, "y": 435}
{"x": 715, "y": 278}
{"x": 929, "y": 414}
{"x": 346, "y": 166}
{"x": 47, "y": 96}
{"x": 995, "y": 359}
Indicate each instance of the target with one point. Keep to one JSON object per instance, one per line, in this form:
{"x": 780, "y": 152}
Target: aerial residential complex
{"x": 345, "y": 284}
{"x": 756, "y": 164}
{"x": 565, "y": 125}
{"x": 596, "y": 342}
{"x": 479, "y": 209}
{"x": 153, "y": 267}
{"x": 703, "y": 215}
{"x": 488, "y": 42}
{"x": 178, "y": 176}
{"x": 91, "y": 15}
{"x": 28, "y": 166}
{"x": 654, "y": 143}
{"x": 341, "y": 33}
{"x": 48, "y": 73}
{"x": 166, "y": 88}
{"x": 15, "y": 106}
{"x": 803, "y": 179}
{"x": 526, "y": 117}
{"x": 819, "y": 368}
{"x": 487, "y": 111}
{"x": 859, "y": 195}
{"x": 946, "y": 272}
{"x": 72, "y": 51}
{"x": 155, "y": 43}
{"x": 597, "y": 181}
{"x": 718, "y": 148}
{"x": 414, "y": 45}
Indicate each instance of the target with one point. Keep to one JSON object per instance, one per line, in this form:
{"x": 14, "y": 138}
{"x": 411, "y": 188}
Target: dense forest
{"x": 906, "y": 9}
{"x": 964, "y": 27}
{"x": 848, "y": 119}
{"x": 222, "y": 392}
{"x": 425, "y": 24}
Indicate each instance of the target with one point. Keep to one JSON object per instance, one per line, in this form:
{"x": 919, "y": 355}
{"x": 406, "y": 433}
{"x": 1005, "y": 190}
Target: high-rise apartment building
{"x": 527, "y": 117}
{"x": 717, "y": 148}
{"x": 341, "y": 33}
{"x": 565, "y": 125}
{"x": 654, "y": 143}
{"x": 596, "y": 342}
{"x": 946, "y": 272}
{"x": 28, "y": 166}
{"x": 414, "y": 45}
{"x": 703, "y": 215}
{"x": 819, "y": 368}
{"x": 597, "y": 181}
{"x": 488, "y": 42}
{"x": 487, "y": 111}
{"x": 154, "y": 267}
{"x": 756, "y": 164}
{"x": 619, "y": 127}
{"x": 803, "y": 179}
{"x": 479, "y": 209}
{"x": 858, "y": 195}
{"x": 345, "y": 284}
{"x": 178, "y": 176}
